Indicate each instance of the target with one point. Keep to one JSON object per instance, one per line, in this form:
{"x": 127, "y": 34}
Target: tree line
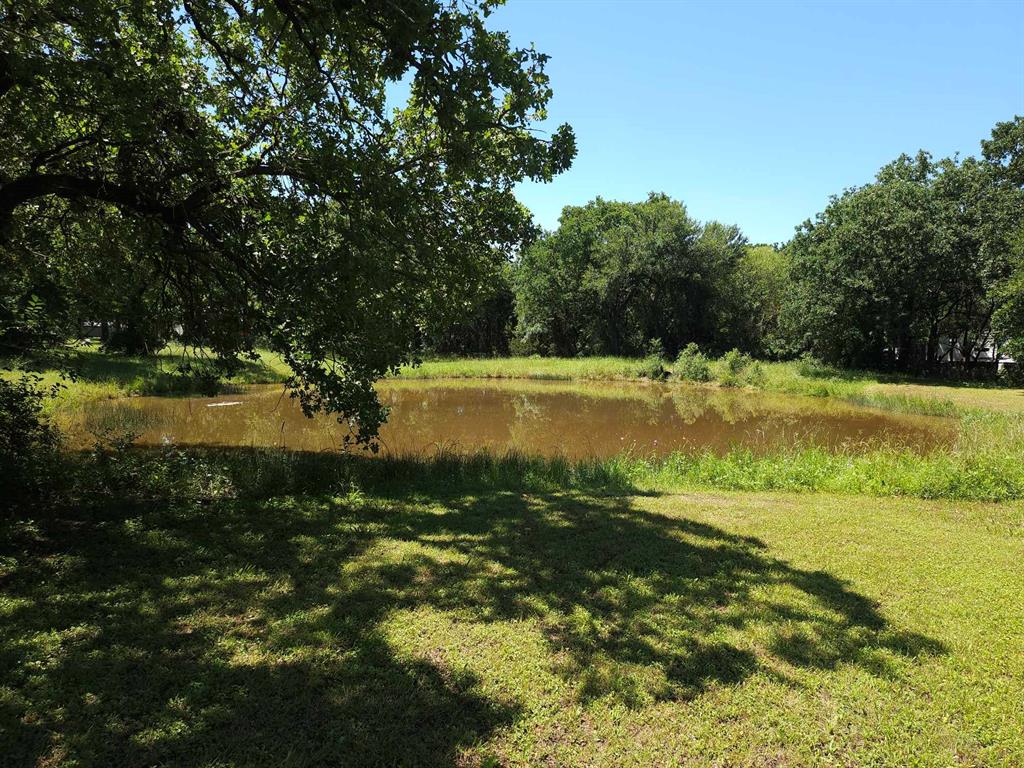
{"x": 922, "y": 266}
{"x": 336, "y": 183}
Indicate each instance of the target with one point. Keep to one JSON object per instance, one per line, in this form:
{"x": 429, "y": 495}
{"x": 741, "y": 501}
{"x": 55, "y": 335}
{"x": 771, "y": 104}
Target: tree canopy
{"x": 899, "y": 272}
{"x": 1005, "y": 150}
{"x": 326, "y": 179}
{"x": 615, "y": 276}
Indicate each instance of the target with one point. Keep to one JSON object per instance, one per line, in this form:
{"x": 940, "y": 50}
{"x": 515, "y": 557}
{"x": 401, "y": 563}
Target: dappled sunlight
{"x": 381, "y": 628}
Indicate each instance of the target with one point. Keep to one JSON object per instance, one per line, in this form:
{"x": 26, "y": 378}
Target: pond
{"x": 541, "y": 418}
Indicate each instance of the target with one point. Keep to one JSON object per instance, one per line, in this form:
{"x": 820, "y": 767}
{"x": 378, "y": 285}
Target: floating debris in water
{"x": 219, "y": 405}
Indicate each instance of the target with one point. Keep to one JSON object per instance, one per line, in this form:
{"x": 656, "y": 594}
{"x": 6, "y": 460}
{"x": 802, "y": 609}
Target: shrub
{"x": 1012, "y": 374}
{"x": 736, "y": 362}
{"x": 653, "y": 365}
{"x": 653, "y": 368}
{"x": 813, "y": 368}
{"x": 692, "y": 364}
{"x": 734, "y": 367}
{"x": 656, "y": 349}
{"x": 28, "y": 445}
{"x": 754, "y": 374}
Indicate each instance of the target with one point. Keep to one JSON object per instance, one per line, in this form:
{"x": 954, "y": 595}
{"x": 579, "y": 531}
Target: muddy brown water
{"x": 539, "y": 418}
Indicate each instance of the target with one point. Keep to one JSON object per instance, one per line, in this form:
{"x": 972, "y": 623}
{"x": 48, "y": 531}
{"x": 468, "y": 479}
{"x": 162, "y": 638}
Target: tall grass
{"x": 545, "y": 368}
{"x": 985, "y": 464}
{"x": 802, "y": 377}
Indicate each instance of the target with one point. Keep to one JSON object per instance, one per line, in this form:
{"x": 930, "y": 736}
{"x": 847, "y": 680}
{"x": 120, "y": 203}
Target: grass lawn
{"x": 259, "y": 608}
{"x": 1000, "y": 399}
{"x": 396, "y": 614}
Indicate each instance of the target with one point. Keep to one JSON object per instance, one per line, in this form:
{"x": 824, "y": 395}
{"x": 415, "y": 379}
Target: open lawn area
{"x": 383, "y": 613}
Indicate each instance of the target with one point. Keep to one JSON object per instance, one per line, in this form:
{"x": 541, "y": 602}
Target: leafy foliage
{"x": 250, "y": 167}
{"x": 760, "y": 291}
{"x": 1005, "y": 149}
{"x": 615, "y": 275}
{"x": 692, "y": 364}
{"x": 900, "y": 272}
{"x": 27, "y": 444}
{"x": 485, "y": 329}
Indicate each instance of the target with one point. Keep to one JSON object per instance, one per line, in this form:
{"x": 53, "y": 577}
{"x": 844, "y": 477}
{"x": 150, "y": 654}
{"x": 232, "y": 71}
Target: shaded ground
{"x": 100, "y": 375}
{"x": 470, "y": 623}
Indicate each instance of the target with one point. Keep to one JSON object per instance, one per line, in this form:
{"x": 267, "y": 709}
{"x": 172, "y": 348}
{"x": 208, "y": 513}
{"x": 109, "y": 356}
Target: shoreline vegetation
{"x": 100, "y": 375}
{"x": 984, "y": 463}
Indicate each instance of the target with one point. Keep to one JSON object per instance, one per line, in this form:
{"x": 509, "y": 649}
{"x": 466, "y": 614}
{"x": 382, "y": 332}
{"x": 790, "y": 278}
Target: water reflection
{"x": 546, "y": 418}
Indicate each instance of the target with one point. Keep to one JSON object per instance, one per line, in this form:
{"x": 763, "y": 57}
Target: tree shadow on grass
{"x": 150, "y": 638}
{"x": 642, "y": 606}
{"x": 157, "y": 374}
{"x": 254, "y": 631}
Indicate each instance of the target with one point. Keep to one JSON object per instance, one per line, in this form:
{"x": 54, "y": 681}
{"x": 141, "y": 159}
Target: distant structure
{"x": 985, "y": 353}
{"x": 101, "y": 329}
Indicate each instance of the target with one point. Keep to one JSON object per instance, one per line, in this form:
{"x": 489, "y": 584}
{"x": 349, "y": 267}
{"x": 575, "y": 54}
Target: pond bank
{"x": 985, "y": 461}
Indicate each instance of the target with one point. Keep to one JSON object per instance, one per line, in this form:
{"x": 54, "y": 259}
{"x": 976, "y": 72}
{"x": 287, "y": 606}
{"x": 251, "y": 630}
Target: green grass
{"x": 893, "y": 393}
{"x": 546, "y": 368}
{"x": 98, "y": 375}
{"x": 259, "y": 608}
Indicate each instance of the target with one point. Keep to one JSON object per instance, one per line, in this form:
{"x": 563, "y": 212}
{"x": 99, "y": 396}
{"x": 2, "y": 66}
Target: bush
{"x": 734, "y": 363}
{"x": 692, "y": 364}
{"x": 1012, "y": 374}
{"x": 754, "y": 374}
{"x": 653, "y": 368}
{"x": 28, "y": 445}
{"x": 653, "y": 365}
{"x": 813, "y": 368}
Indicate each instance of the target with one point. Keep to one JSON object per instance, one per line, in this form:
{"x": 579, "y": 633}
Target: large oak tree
{"x": 327, "y": 178}
{"x": 615, "y": 276}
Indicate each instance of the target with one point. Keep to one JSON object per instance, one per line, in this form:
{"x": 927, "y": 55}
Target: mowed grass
{"x": 257, "y": 608}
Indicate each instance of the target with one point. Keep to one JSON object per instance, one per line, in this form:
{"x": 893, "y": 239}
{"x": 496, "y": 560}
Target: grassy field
{"x": 254, "y": 608}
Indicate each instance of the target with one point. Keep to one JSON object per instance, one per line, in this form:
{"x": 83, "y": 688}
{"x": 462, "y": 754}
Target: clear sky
{"x": 753, "y": 113}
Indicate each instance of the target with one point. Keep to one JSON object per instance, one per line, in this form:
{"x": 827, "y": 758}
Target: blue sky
{"x": 754, "y": 113}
